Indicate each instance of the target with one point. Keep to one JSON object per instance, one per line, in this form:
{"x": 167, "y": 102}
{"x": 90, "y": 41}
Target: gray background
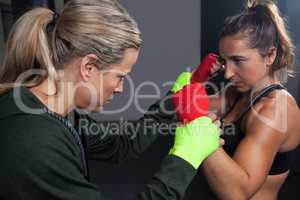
{"x": 171, "y": 44}
{"x": 175, "y": 33}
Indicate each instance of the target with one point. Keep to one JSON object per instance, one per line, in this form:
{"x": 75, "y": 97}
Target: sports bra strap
{"x": 265, "y": 92}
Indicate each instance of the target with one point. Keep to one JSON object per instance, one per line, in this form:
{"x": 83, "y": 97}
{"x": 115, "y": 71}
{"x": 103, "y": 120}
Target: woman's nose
{"x": 229, "y": 71}
{"x": 120, "y": 87}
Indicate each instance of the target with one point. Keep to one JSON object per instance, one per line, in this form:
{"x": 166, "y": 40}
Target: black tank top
{"x": 233, "y": 134}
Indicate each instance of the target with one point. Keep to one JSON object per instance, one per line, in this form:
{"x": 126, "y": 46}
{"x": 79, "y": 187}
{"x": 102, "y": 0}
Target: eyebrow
{"x": 125, "y": 73}
{"x": 235, "y": 57}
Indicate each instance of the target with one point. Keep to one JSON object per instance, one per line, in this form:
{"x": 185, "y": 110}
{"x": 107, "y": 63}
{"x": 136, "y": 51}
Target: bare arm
{"x": 241, "y": 177}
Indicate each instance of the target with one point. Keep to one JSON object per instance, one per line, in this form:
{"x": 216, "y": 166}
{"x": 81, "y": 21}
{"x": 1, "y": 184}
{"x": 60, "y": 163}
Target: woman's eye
{"x": 121, "y": 78}
{"x": 222, "y": 61}
{"x": 238, "y": 61}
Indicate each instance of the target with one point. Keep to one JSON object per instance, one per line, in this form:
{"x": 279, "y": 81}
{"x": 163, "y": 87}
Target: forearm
{"x": 171, "y": 182}
{"x": 227, "y": 179}
{"x": 123, "y": 140}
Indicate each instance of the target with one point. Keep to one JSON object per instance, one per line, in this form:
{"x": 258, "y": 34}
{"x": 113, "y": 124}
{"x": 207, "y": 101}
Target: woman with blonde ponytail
{"x": 55, "y": 64}
{"x": 260, "y": 124}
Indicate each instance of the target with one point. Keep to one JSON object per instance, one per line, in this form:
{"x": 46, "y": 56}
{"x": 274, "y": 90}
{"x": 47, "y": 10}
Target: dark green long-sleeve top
{"x": 41, "y": 160}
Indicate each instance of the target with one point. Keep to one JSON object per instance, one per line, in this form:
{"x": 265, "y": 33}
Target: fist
{"x": 191, "y": 102}
{"x": 205, "y": 69}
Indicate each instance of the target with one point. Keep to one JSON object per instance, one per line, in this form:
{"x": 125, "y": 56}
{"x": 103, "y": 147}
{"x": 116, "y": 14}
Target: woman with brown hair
{"x": 260, "y": 123}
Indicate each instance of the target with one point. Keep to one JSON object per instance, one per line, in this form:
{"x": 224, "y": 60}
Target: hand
{"x": 199, "y": 137}
{"x": 205, "y": 69}
{"x": 222, "y": 142}
{"x": 182, "y": 80}
{"x": 217, "y": 122}
{"x": 197, "y": 140}
{"x": 191, "y": 102}
{"x": 216, "y": 68}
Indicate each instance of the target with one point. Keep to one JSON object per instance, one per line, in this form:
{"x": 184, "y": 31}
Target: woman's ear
{"x": 270, "y": 58}
{"x": 87, "y": 66}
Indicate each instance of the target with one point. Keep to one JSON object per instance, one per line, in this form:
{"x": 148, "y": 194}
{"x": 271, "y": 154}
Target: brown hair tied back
{"x": 264, "y": 27}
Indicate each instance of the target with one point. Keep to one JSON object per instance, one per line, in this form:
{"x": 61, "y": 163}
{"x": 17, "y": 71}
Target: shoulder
{"x": 36, "y": 144}
{"x": 39, "y": 155}
{"x": 34, "y": 134}
{"x": 271, "y": 117}
{"x": 31, "y": 124}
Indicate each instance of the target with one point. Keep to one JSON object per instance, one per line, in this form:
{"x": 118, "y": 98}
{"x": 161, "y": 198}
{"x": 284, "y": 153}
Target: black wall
{"x": 213, "y": 13}
{"x": 21, "y": 6}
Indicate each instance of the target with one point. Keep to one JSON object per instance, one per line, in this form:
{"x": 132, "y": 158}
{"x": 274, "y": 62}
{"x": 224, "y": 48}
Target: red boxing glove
{"x": 191, "y": 102}
{"x": 203, "y": 71}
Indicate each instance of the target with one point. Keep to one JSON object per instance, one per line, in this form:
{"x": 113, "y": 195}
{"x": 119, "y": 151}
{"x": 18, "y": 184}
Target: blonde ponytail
{"x": 27, "y": 48}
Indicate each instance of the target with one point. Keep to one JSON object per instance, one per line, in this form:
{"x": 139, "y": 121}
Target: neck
{"x": 260, "y": 85}
{"x": 56, "y": 97}
{"x": 263, "y": 83}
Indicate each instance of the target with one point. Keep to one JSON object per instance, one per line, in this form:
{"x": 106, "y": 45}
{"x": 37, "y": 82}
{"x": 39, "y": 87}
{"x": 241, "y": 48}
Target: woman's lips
{"x": 236, "y": 83}
{"x": 109, "y": 100}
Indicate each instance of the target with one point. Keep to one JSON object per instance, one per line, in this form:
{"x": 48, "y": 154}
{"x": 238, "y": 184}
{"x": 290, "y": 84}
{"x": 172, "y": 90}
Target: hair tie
{"x": 51, "y": 25}
{"x": 260, "y": 10}
{"x": 55, "y": 16}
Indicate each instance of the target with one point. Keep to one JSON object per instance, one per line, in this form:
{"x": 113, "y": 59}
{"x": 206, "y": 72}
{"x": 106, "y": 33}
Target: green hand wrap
{"x": 182, "y": 80}
{"x": 196, "y": 141}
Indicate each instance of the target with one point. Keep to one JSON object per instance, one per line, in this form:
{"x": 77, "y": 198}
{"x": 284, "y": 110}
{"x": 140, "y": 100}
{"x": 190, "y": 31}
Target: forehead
{"x": 234, "y": 45}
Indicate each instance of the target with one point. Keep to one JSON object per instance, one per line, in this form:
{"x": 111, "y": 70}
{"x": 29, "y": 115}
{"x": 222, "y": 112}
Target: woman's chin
{"x": 241, "y": 88}
{"x": 95, "y": 109}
